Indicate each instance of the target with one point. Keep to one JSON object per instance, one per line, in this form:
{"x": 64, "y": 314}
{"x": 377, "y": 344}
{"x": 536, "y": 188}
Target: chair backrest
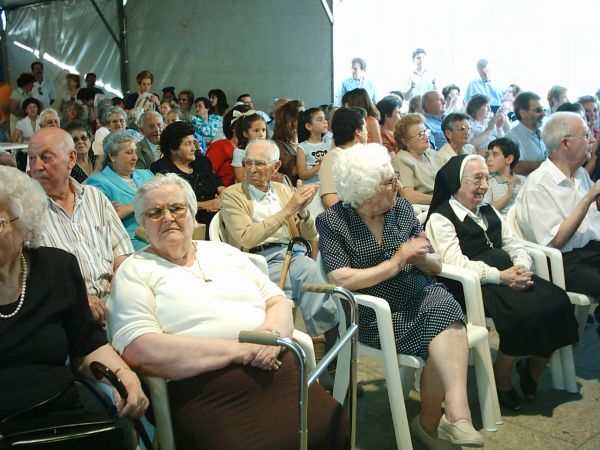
{"x": 216, "y": 228}
{"x": 511, "y": 222}
{"x": 259, "y": 261}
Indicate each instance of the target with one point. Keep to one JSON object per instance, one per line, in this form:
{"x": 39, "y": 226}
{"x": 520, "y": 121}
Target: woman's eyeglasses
{"x": 4, "y": 222}
{"x": 175, "y": 209}
{"x": 477, "y": 180}
{"x": 391, "y": 184}
{"x": 422, "y": 133}
{"x": 83, "y": 138}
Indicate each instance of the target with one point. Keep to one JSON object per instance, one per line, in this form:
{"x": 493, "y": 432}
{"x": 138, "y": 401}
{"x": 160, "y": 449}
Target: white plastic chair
{"x": 399, "y": 368}
{"x": 562, "y": 365}
{"x": 216, "y": 228}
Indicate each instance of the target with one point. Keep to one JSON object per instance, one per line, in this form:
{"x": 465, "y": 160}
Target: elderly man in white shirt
{"x": 556, "y": 205}
{"x": 261, "y": 216}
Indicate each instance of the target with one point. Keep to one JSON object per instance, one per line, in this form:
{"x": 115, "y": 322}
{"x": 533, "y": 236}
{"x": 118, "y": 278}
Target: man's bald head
{"x": 56, "y": 137}
{"x": 51, "y": 158}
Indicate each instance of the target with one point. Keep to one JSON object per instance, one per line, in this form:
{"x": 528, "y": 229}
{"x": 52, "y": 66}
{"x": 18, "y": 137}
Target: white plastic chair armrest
{"x": 162, "y": 410}
{"x": 305, "y": 341}
{"x": 472, "y": 291}
{"x": 259, "y": 261}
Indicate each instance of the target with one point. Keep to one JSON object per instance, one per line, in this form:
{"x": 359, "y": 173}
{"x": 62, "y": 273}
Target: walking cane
{"x": 100, "y": 371}
{"x": 288, "y": 257}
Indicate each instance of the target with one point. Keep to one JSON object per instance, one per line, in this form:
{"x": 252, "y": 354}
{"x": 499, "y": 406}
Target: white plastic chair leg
{"x": 558, "y": 379}
{"x": 486, "y": 387}
{"x": 396, "y": 397}
{"x": 568, "y": 366}
{"x": 581, "y": 315}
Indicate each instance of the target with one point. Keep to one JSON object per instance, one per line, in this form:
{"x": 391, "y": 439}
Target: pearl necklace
{"x": 23, "y": 289}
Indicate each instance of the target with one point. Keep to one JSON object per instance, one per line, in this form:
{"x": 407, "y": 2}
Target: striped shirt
{"x": 93, "y": 233}
{"x": 498, "y": 187}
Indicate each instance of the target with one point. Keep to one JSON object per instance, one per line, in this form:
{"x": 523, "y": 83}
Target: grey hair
{"x": 112, "y": 143}
{"x": 274, "y": 148}
{"x": 482, "y": 63}
{"x": 167, "y": 179}
{"x": 113, "y": 110}
{"x": 103, "y": 106}
{"x": 557, "y": 127}
{"x": 26, "y": 199}
{"x": 358, "y": 172}
{"x": 46, "y": 113}
{"x": 142, "y": 118}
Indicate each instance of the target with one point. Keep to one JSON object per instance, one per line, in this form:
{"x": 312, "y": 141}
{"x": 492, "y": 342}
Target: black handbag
{"x": 61, "y": 422}
{"x": 65, "y": 430}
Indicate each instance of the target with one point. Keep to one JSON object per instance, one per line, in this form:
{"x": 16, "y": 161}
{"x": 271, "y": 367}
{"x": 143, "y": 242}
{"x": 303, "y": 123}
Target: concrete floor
{"x": 557, "y": 420}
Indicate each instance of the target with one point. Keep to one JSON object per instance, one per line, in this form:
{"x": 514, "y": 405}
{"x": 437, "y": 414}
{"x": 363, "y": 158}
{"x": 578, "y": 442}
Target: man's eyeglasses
{"x": 463, "y": 128}
{"x": 260, "y": 164}
{"x": 539, "y": 109}
{"x": 175, "y": 209}
{"x": 4, "y": 222}
{"x": 420, "y": 134}
{"x": 586, "y": 137}
{"x": 477, "y": 180}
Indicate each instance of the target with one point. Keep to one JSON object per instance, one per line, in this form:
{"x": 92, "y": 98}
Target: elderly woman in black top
{"x": 44, "y": 315}
{"x": 532, "y": 316}
{"x": 181, "y": 156}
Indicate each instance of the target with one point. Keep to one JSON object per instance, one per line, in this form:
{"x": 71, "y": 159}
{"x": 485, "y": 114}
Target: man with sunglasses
{"x": 43, "y": 89}
{"x": 527, "y": 134}
{"x": 79, "y": 219}
{"x": 261, "y": 216}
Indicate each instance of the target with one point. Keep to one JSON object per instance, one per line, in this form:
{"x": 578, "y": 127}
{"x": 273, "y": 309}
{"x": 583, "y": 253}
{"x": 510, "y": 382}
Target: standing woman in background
{"x": 360, "y": 98}
{"x": 18, "y": 96}
{"x": 285, "y": 136}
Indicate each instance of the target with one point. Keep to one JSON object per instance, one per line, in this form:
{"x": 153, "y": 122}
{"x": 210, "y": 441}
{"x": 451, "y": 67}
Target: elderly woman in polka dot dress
{"x": 372, "y": 243}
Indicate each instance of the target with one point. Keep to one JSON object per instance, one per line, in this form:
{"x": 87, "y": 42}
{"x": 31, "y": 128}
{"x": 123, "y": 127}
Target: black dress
{"x": 203, "y": 179}
{"x": 536, "y": 321}
{"x": 54, "y": 322}
{"x": 421, "y": 307}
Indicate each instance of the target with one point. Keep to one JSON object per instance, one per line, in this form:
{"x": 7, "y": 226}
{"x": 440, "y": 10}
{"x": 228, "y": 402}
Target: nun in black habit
{"x": 532, "y": 316}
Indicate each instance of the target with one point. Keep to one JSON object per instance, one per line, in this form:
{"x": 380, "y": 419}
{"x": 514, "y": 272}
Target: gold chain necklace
{"x": 202, "y": 275}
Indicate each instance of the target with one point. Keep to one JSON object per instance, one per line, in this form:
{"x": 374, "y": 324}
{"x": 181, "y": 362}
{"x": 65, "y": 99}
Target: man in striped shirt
{"x": 79, "y": 219}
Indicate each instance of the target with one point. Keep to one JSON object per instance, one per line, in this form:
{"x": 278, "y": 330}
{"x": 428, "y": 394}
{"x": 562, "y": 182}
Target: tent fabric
{"x": 267, "y": 48}
{"x": 70, "y": 31}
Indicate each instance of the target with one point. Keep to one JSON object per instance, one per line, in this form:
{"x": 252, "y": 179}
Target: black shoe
{"x": 528, "y": 384}
{"x": 509, "y": 399}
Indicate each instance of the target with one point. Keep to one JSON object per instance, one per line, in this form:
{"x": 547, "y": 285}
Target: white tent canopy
{"x": 268, "y": 48}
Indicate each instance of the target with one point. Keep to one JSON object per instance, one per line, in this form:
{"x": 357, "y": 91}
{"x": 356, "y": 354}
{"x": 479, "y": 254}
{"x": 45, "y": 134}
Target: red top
{"x": 220, "y": 154}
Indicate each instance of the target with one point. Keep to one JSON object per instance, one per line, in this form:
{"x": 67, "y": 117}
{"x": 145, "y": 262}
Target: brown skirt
{"x": 245, "y": 408}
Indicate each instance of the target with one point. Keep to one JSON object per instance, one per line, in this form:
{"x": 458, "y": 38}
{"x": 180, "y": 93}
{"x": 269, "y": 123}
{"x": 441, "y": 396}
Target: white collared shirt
{"x": 442, "y": 234}
{"x": 266, "y": 204}
{"x": 547, "y": 198}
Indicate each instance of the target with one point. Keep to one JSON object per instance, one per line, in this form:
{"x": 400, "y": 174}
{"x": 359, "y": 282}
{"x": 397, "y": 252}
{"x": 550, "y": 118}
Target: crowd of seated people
{"x": 168, "y": 163}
